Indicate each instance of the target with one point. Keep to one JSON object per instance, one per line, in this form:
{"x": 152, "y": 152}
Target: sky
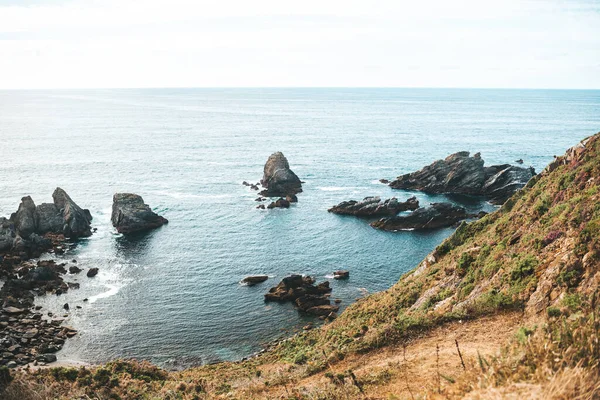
{"x": 277, "y": 43}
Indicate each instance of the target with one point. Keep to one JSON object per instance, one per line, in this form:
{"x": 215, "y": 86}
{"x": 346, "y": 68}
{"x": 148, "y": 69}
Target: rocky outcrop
{"x": 76, "y": 220}
{"x": 308, "y": 297}
{"x": 341, "y": 274}
{"x": 438, "y": 215}
{"x": 48, "y": 218}
{"x": 460, "y": 173}
{"x": 374, "y": 207}
{"x": 280, "y": 203}
{"x": 130, "y": 214}
{"x": 254, "y": 279}
{"x": 24, "y": 218}
{"x": 278, "y": 179}
{"x": 7, "y": 234}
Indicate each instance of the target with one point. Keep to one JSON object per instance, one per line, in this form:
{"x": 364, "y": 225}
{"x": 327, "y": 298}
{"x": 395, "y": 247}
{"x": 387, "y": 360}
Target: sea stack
{"x": 130, "y": 214}
{"x": 278, "y": 179}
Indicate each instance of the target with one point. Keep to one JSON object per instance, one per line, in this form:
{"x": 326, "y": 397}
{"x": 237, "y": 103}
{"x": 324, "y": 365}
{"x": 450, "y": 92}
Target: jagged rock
{"x": 438, "y": 215}
{"x": 7, "y": 234}
{"x": 278, "y": 179}
{"x": 76, "y": 220}
{"x": 254, "y": 279}
{"x": 24, "y": 218}
{"x": 73, "y": 269}
{"x": 460, "y": 173}
{"x": 130, "y": 214}
{"x": 325, "y": 309}
{"x": 374, "y": 207}
{"x": 261, "y": 206}
{"x": 48, "y": 218}
{"x": 295, "y": 286}
{"x": 280, "y": 203}
{"x": 292, "y": 198}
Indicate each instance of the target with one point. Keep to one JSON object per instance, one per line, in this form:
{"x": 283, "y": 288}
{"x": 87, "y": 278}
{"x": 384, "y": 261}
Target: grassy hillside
{"x": 537, "y": 257}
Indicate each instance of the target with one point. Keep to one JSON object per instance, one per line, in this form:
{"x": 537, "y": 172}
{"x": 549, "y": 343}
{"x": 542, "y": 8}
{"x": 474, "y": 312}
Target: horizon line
{"x": 292, "y": 87}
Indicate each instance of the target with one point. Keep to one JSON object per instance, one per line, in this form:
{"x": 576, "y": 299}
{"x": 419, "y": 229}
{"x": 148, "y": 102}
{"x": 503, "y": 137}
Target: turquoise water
{"x": 172, "y": 295}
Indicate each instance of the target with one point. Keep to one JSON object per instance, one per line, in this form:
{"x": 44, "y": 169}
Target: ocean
{"x": 172, "y": 296}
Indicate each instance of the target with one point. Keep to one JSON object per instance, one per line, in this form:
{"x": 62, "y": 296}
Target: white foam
{"x": 112, "y": 290}
{"x": 333, "y": 188}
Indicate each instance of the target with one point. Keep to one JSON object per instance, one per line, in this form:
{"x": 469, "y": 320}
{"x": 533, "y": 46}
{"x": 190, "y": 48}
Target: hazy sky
{"x": 193, "y": 43}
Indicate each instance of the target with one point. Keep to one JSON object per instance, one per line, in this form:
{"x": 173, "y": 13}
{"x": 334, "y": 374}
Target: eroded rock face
{"x": 278, "y": 179}
{"x": 76, "y": 220}
{"x": 7, "y": 234}
{"x": 24, "y": 218}
{"x": 130, "y": 214}
{"x": 459, "y": 173}
{"x": 438, "y": 215}
{"x": 374, "y": 207}
{"x": 48, "y": 218}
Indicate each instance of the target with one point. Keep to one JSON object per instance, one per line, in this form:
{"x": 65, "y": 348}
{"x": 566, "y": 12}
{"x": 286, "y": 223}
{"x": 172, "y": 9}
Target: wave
{"x": 112, "y": 290}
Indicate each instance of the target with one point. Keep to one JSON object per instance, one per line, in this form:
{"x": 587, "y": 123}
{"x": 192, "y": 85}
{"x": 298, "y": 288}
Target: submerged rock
{"x": 341, "y": 274}
{"x": 254, "y": 279}
{"x": 280, "y": 203}
{"x": 374, "y": 207}
{"x": 438, "y": 215}
{"x": 459, "y": 173}
{"x": 130, "y": 214}
{"x": 278, "y": 179}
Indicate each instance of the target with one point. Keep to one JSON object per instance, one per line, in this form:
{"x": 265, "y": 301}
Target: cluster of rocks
{"x": 308, "y": 297}
{"x": 29, "y": 230}
{"x": 374, "y": 207}
{"x": 460, "y": 173}
{"x": 130, "y": 214}
{"x": 25, "y": 334}
{"x": 438, "y": 215}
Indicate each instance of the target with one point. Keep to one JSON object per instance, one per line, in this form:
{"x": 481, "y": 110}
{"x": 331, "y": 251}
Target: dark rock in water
{"x": 294, "y": 286}
{"x": 24, "y": 218}
{"x": 92, "y": 272}
{"x": 261, "y": 206}
{"x": 7, "y": 234}
{"x": 280, "y": 203}
{"x": 302, "y": 291}
{"x": 259, "y": 199}
{"x": 341, "y": 274}
{"x": 245, "y": 183}
{"x": 438, "y": 215}
{"x": 254, "y": 279}
{"x": 519, "y": 161}
{"x": 384, "y": 181}
{"x": 48, "y": 218}
{"x": 74, "y": 269}
{"x": 254, "y": 187}
{"x": 278, "y": 179}
{"x": 292, "y": 198}
{"x": 460, "y": 173}
{"x": 66, "y": 306}
{"x": 76, "y": 220}
{"x": 374, "y": 207}
{"x": 130, "y": 214}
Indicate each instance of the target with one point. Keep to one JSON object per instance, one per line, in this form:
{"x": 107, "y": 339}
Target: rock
{"x": 280, "y": 203}
{"x": 254, "y": 279}
{"x": 278, "y": 179}
{"x": 73, "y": 269}
{"x": 291, "y": 198}
{"x": 438, "y": 215}
{"x": 11, "y": 364}
{"x": 66, "y": 306}
{"x": 13, "y": 310}
{"x": 245, "y": 183}
{"x": 254, "y": 187}
{"x": 459, "y": 173}
{"x": 259, "y": 199}
{"x": 295, "y": 286}
{"x": 7, "y": 234}
{"x": 130, "y": 214}
{"x": 47, "y": 358}
{"x": 519, "y": 161}
{"x": 341, "y": 274}
{"x": 261, "y": 206}
{"x": 374, "y": 207}
{"x": 384, "y": 181}
{"x": 76, "y": 220}
{"x": 48, "y": 218}
{"x": 24, "y": 218}
{"x": 92, "y": 272}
